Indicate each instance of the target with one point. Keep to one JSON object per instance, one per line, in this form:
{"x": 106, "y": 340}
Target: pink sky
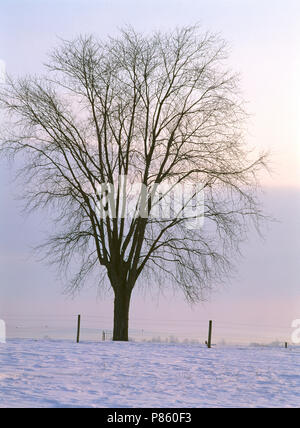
{"x": 264, "y": 39}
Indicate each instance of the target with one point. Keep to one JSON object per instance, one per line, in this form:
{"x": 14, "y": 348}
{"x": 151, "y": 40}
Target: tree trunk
{"x": 121, "y": 314}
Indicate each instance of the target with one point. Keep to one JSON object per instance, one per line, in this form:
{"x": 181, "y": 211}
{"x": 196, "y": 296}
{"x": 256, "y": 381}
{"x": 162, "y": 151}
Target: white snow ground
{"x": 113, "y": 374}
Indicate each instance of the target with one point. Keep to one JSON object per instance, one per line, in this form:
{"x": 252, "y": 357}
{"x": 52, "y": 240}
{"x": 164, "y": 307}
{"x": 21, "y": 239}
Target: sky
{"x": 264, "y": 42}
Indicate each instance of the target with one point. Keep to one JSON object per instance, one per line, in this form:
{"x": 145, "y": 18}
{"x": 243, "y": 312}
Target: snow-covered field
{"x": 111, "y": 374}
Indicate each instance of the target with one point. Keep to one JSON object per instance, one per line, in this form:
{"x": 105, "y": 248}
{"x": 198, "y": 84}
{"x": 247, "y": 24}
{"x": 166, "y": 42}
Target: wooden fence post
{"x": 209, "y": 334}
{"x": 78, "y": 328}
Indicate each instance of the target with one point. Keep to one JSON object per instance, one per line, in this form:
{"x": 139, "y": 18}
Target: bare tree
{"x": 158, "y": 109}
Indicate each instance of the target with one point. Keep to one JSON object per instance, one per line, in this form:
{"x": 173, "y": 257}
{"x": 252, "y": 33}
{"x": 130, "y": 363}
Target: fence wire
{"x": 99, "y": 328}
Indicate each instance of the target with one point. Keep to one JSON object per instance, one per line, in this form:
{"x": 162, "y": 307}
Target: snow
{"x": 48, "y": 373}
